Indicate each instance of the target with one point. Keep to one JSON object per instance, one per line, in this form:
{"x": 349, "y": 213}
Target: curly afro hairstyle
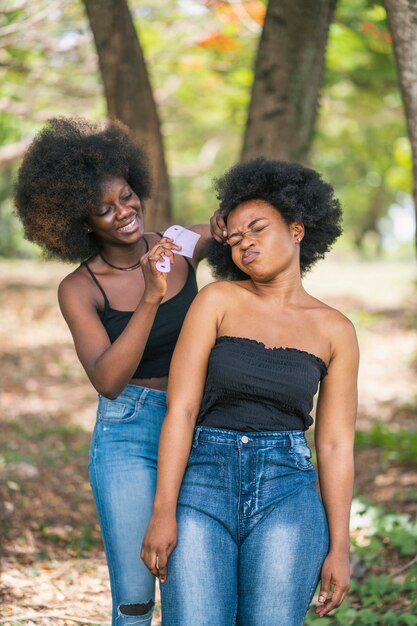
{"x": 297, "y": 192}
{"x": 59, "y": 182}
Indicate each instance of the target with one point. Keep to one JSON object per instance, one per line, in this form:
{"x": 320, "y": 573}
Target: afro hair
{"x": 59, "y": 182}
{"x": 297, "y": 192}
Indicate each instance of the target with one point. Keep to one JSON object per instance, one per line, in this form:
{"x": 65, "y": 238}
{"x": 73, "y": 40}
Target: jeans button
{"x": 245, "y": 439}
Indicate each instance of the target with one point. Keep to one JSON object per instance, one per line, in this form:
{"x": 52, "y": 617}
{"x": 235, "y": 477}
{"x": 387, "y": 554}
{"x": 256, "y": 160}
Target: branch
{"x": 404, "y": 567}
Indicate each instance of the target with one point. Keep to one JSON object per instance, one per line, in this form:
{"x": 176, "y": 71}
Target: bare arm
{"x": 110, "y": 366}
{"x": 185, "y": 390}
{"x": 334, "y": 435}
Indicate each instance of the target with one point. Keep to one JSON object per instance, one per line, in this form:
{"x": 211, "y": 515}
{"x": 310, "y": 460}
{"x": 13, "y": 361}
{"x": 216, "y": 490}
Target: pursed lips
{"x": 249, "y": 256}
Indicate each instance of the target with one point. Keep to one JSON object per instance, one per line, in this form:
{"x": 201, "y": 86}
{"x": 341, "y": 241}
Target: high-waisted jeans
{"x": 123, "y": 460}
{"x": 252, "y": 532}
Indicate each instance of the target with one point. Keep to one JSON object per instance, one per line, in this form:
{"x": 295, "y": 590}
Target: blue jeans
{"x": 123, "y": 460}
{"x": 252, "y": 532}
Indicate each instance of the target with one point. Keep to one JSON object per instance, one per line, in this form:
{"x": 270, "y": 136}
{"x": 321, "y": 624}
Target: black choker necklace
{"x": 122, "y": 269}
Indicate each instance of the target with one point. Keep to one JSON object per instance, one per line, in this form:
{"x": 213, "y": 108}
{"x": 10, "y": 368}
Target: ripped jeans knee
{"x": 138, "y": 611}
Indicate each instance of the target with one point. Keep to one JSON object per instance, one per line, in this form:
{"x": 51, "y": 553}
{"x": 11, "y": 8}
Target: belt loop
{"x": 196, "y": 436}
{"x": 143, "y": 395}
{"x": 292, "y": 439}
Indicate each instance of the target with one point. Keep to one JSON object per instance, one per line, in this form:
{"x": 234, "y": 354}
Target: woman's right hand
{"x": 156, "y": 281}
{"x": 158, "y": 543}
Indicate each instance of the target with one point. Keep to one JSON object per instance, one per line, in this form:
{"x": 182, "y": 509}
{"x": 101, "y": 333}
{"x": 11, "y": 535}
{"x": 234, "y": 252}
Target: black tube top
{"x": 253, "y": 388}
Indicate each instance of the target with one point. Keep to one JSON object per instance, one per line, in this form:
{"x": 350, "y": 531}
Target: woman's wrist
{"x": 164, "y": 508}
{"x": 340, "y": 546}
{"x": 152, "y": 299}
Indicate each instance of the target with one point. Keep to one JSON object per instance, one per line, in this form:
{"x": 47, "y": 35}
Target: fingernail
{"x": 321, "y": 598}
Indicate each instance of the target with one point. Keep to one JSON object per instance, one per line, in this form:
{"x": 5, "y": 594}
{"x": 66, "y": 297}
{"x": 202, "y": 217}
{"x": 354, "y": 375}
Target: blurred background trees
{"x": 185, "y": 79}
{"x": 287, "y": 79}
{"x": 129, "y": 94}
{"x": 402, "y": 18}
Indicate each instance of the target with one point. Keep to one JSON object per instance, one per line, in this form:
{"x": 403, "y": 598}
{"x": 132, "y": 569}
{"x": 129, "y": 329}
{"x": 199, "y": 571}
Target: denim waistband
{"x": 137, "y": 392}
{"x": 282, "y": 438}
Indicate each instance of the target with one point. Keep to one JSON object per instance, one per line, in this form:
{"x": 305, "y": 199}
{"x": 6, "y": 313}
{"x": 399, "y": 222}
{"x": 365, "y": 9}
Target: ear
{"x": 297, "y": 231}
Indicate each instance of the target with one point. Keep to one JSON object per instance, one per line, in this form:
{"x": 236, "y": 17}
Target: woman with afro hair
{"x": 80, "y": 194}
{"x": 239, "y": 533}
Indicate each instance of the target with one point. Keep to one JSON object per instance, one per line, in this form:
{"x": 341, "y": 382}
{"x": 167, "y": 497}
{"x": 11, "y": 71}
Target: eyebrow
{"x": 249, "y": 225}
{"x": 122, "y": 190}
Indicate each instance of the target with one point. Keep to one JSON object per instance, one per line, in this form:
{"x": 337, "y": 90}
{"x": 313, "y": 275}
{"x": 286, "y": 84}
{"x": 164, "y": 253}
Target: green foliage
{"x": 384, "y": 532}
{"x": 200, "y": 57}
{"x": 361, "y": 142}
{"x": 395, "y": 445}
{"x": 203, "y": 84}
{"x": 380, "y": 597}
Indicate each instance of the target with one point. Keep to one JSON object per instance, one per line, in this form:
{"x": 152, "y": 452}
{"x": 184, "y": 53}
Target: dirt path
{"x": 53, "y": 568}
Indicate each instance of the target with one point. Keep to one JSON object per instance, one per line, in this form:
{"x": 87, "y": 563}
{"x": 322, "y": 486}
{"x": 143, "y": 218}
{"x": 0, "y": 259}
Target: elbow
{"x": 109, "y": 395}
{"x": 109, "y": 391}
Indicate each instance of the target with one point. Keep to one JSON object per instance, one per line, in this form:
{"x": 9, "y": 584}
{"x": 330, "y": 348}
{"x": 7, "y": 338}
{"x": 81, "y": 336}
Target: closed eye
{"x": 235, "y": 240}
{"x": 104, "y": 211}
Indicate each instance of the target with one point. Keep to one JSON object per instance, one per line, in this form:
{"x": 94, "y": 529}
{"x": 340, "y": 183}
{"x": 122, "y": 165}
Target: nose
{"x": 122, "y": 210}
{"x": 247, "y": 240}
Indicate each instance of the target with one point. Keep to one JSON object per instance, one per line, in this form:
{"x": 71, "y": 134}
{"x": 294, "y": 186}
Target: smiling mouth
{"x": 248, "y": 257}
{"x": 130, "y": 226}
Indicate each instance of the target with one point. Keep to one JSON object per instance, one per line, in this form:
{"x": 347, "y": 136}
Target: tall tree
{"x": 288, "y": 75}
{"x": 402, "y": 18}
{"x": 129, "y": 93}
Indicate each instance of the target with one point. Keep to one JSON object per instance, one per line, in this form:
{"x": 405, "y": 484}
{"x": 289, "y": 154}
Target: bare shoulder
{"x": 339, "y": 328}
{"x": 76, "y": 286}
{"x": 213, "y": 300}
{"x": 73, "y": 281}
{"x": 221, "y": 291}
{"x": 333, "y": 318}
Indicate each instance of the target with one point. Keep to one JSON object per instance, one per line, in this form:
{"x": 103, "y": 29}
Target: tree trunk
{"x": 402, "y": 18}
{"x": 129, "y": 94}
{"x": 372, "y": 217}
{"x": 288, "y": 76}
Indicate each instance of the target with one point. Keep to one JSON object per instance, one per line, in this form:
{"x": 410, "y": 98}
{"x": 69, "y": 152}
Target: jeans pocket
{"x": 116, "y": 411}
{"x": 301, "y": 454}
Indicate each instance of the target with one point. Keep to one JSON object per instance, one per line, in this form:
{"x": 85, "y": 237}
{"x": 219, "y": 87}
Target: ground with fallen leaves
{"x": 53, "y": 567}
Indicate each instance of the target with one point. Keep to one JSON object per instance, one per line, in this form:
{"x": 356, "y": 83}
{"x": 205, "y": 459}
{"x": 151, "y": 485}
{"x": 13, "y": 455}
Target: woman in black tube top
{"x": 236, "y": 508}
{"x": 80, "y": 195}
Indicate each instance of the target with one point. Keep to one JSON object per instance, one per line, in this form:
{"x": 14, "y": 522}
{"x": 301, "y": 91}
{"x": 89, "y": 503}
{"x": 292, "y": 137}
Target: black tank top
{"x": 165, "y": 330}
{"x": 253, "y": 388}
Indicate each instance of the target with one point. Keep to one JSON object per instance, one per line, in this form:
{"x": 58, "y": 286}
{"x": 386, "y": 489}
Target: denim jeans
{"x": 252, "y": 532}
{"x": 123, "y": 461}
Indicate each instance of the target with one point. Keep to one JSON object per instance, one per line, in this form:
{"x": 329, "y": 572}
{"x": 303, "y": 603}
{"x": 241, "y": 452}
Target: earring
{"x": 88, "y": 228}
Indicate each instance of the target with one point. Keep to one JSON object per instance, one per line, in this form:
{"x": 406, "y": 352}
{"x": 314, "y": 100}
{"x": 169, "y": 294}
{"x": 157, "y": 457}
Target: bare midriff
{"x": 152, "y": 383}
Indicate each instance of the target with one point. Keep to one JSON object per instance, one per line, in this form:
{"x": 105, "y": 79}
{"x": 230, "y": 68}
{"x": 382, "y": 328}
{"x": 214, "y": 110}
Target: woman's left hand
{"x": 159, "y": 541}
{"x": 335, "y": 573}
{"x": 218, "y": 227}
